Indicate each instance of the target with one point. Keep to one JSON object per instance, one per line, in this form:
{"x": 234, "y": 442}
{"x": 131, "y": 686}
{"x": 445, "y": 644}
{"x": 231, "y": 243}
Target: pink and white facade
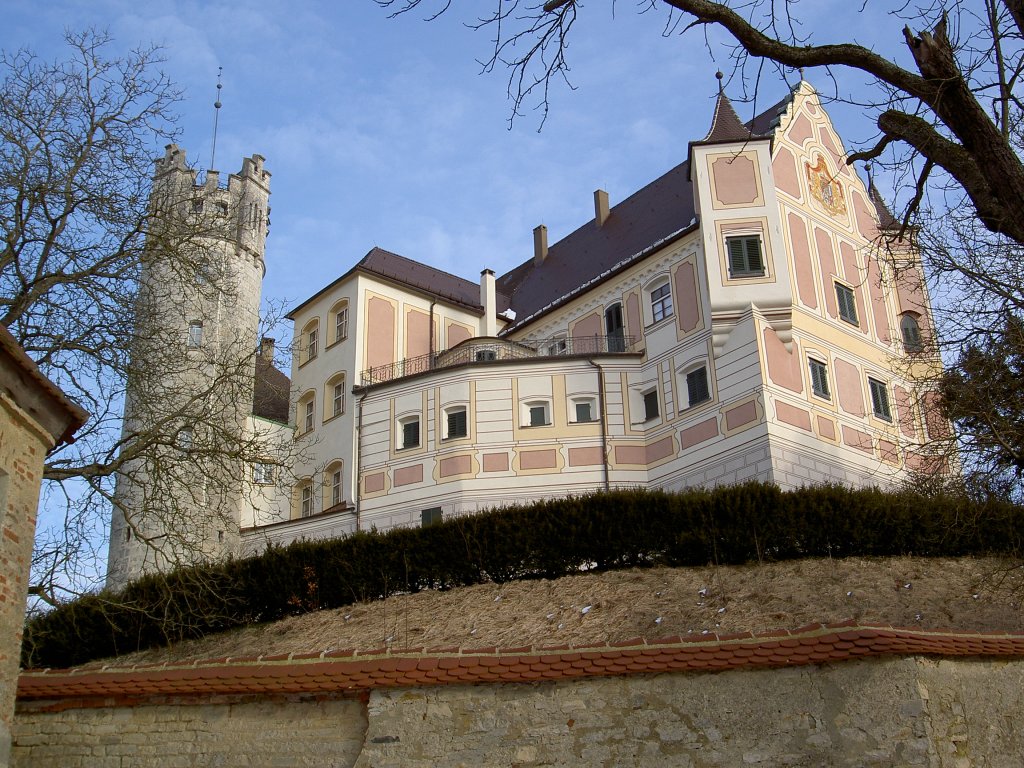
{"x": 730, "y": 321}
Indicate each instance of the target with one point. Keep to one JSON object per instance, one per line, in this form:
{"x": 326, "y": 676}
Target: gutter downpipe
{"x": 433, "y": 303}
{"x": 359, "y": 459}
{"x": 604, "y": 426}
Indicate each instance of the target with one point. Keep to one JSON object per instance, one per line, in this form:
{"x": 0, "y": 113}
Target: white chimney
{"x": 487, "y": 299}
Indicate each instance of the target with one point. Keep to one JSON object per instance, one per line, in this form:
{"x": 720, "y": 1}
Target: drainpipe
{"x": 359, "y": 457}
{"x": 604, "y": 425}
{"x": 433, "y": 303}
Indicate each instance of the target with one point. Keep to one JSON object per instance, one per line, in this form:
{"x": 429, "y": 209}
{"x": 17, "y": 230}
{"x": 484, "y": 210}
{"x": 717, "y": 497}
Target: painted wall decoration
{"x": 826, "y": 189}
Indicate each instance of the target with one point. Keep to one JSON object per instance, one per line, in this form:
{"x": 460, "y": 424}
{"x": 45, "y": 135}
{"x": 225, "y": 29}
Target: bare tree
{"x": 949, "y": 130}
{"x": 79, "y": 234}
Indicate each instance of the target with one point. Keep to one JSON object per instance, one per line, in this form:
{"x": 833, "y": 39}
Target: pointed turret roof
{"x": 726, "y": 125}
{"x": 885, "y": 218}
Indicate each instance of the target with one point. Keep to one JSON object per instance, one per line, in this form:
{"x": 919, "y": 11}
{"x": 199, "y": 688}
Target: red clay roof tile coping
{"x": 339, "y": 671}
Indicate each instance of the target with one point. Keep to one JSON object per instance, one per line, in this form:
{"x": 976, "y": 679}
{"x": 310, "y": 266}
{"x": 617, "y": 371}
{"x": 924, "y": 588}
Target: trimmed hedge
{"x": 558, "y": 537}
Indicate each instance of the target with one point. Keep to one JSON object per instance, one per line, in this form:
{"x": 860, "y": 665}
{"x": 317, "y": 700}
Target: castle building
{"x": 733, "y": 320}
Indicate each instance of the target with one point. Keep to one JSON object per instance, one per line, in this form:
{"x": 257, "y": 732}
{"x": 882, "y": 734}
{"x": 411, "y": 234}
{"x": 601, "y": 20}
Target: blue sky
{"x": 384, "y": 132}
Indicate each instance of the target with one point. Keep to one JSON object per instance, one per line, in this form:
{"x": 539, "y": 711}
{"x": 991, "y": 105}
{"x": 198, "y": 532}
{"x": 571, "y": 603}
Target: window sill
{"x": 747, "y": 275}
{"x": 405, "y": 448}
{"x": 535, "y": 426}
{"x": 329, "y": 419}
{"x": 658, "y": 323}
{"x": 334, "y": 343}
{"x": 454, "y": 438}
{"x": 307, "y": 361}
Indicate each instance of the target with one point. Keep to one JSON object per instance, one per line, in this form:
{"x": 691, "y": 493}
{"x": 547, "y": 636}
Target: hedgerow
{"x": 549, "y": 539}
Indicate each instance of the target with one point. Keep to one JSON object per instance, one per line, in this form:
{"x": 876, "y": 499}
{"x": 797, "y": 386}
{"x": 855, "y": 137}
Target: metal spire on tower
{"x": 216, "y": 118}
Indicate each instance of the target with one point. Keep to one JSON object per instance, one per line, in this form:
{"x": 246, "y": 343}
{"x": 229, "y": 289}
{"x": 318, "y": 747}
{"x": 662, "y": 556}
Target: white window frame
{"x": 846, "y": 303}
{"x": 263, "y": 473}
{"x": 646, "y": 399}
{"x": 659, "y": 298}
{"x": 558, "y": 346}
{"x": 313, "y": 342}
{"x": 528, "y": 412}
{"x": 451, "y": 411}
{"x": 340, "y": 322}
{"x": 195, "y": 334}
{"x": 743, "y": 240}
{"x": 335, "y": 395}
{"x": 576, "y": 402}
{"x": 306, "y": 499}
{"x": 400, "y": 434}
{"x": 817, "y": 370}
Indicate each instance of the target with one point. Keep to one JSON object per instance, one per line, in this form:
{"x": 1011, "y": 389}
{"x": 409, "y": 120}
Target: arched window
{"x": 305, "y": 413}
{"x": 911, "y": 332}
{"x": 334, "y": 396}
{"x": 339, "y": 321}
{"x": 311, "y": 339}
{"x": 333, "y": 486}
{"x": 304, "y": 495}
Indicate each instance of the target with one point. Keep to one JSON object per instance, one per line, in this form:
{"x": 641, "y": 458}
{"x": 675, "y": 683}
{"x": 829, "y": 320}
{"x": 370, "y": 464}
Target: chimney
{"x": 600, "y": 207}
{"x": 487, "y": 299}
{"x": 540, "y": 244}
{"x": 267, "y": 348}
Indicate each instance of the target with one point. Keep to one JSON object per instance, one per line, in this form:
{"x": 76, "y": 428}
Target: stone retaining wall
{"x": 820, "y": 696}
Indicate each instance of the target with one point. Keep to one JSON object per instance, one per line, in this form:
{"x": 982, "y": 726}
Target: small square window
{"x": 584, "y": 411}
{"x": 185, "y": 440}
{"x": 263, "y": 473}
{"x": 486, "y": 355}
{"x": 430, "y": 516}
{"x": 847, "y": 304}
{"x": 661, "y": 302}
{"x": 651, "y": 407}
{"x": 819, "y": 378}
{"x": 745, "y": 258}
{"x": 411, "y": 433}
{"x": 558, "y": 347}
{"x": 539, "y": 415}
{"x": 457, "y": 425}
{"x": 697, "y": 389}
{"x": 880, "y": 400}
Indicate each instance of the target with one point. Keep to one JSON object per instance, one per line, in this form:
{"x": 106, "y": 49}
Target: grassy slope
{"x": 966, "y": 593}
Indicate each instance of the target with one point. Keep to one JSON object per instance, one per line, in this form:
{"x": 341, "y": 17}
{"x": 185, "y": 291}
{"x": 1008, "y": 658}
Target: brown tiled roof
{"x": 350, "y": 670}
{"x": 422, "y": 277}
{"x": 29, "y": 375}
{"x": 650, "y": 217}
{"x": 270, "y": 392}
{"x": 885, "y": 218}
{"x": 726, "y": 125}
{"x": 653, "y": 214}
{"x": 413, "y": 274}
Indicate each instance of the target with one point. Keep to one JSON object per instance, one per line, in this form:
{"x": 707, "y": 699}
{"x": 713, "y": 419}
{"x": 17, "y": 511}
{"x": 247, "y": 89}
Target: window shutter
{"x": 754, "y": 263}
{"x": 737, "y": 260}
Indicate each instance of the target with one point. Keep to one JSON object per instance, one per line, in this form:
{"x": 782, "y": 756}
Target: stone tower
{"x": 186, "y": 439}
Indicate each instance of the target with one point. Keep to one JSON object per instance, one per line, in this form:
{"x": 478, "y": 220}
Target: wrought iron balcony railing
{"x": 485, "y": 351}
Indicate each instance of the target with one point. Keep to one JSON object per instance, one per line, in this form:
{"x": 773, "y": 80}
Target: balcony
{"x": 490, "y": 350}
